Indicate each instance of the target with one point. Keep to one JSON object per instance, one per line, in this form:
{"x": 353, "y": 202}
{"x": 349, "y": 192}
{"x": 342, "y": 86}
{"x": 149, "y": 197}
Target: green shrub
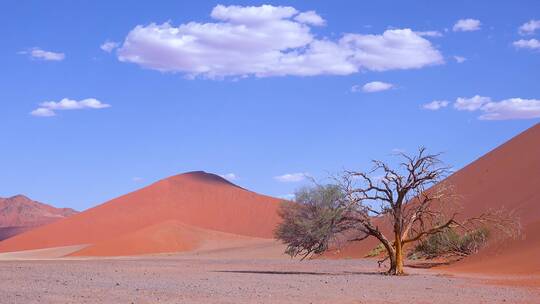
{"x": 376, "y": 251}
{"x": 450, "y": 242}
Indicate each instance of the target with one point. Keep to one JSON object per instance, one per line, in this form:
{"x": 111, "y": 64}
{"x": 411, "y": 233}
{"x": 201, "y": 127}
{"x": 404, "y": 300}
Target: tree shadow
{"x": 427, "y": 265}
{"x": 302, "y": 272}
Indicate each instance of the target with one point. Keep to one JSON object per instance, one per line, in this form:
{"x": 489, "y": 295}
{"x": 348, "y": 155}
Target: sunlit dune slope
{"x": 197, "y": 199}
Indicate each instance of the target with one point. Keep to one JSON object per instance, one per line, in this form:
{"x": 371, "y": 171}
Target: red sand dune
{"x": 509, "y": 177}
{"x": 19, "y": 214}
{"x": 168, "y": 236}
{"x": 198, "y": 199}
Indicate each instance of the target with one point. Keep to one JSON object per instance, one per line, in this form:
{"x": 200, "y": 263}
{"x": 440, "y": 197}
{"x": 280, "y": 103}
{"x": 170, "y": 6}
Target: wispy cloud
{"x": 472, "y": 103}
{"x": 291, "y": 177}
{"x": 266, "y": 41}
{"x": 467, "y": 25}
{"x": 109, "y": 46}
{"x": 429, "y": 33}
{"x": 531, "y": 44}
{"x": 49, "y": 108}
{"x": 289, "y": 196}
{"x": 40, "y": 54}
{"x": 435, "y": 105}
{"x": 460, "y": 59}
{"x": 372, "y": 87}
{"x": 229, "y": 176}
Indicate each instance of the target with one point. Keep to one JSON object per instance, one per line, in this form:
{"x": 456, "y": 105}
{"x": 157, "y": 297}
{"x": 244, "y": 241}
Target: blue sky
{"x": 258, "y": 92}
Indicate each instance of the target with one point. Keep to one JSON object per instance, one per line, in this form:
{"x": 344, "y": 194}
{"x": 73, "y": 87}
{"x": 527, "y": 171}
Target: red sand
{"x": 169, "y": 236}
{"x": 197, "y": 199}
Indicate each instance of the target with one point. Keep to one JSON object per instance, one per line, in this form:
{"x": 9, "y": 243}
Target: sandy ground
{"x": 209, "y": 277}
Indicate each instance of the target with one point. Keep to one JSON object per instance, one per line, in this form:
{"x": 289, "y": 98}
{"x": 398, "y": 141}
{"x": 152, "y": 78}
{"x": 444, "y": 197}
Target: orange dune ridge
{"x": 173, "y": 214}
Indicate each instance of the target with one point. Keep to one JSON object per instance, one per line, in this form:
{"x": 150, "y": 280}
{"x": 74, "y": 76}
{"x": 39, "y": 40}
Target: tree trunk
{"x": 399, "y": 254}
{"x": 391, "y": 256}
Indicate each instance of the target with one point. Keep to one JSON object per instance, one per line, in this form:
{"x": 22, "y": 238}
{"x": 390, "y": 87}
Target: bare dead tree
{"x": 411, "y": 200}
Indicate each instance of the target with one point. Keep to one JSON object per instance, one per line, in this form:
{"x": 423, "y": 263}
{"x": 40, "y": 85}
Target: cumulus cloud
{"x": 266, "y": 41}
{"x": 310, "y": 17}
{"x": 435, "y": 105}
{"x": 48, "y": 108}
{"x": 374, "y": 86}
{"x": 532, "y": 44}
{"x": 460, "y": 59}
{"x": 229, "y": 176}
{"x": 529, "y": 27}
{"x": 40, "y": 54}
{"x": 467, "y": 25}
{"x": 109, "y": 46}
{"x": 291, "y": 177}
{"x": 512, "y": 108}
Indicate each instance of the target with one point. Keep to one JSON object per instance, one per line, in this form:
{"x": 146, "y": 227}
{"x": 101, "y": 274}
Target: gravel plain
{"x": 184, "y": 279}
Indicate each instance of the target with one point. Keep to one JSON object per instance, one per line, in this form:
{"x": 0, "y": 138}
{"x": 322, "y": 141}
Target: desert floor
{"x": 214, "y": 277}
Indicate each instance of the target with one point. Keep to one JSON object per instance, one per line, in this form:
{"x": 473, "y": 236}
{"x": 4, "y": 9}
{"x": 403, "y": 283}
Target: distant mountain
{"x": 178, "y": 213}
{"x": 19, "y": 214}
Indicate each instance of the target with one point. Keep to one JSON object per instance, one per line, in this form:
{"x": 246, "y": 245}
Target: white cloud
{"x": 471, "y": 104}
{"x": 460, "y": 59}
{"x": 291, "y": 177}
{"x": 393, "y": 50}
{"x": 269, "y": 41}
{"x": 109, "y": 46}
{"x": 375, "y": 86}
{"x": 429, "y": 33}
{"x": 229, "y": 176}
{"x": 137, "y": 179}
{"x": 38, "y": 53}
{"x": 529, "y": 27}
{"x": 435, "y": 105}
{"x": 532, "y": 44}
{"x": 310, "y": 17}
{"x": 467, "y": 25}
{"x": 48, "y": 108}
{"x": 512, "y": 108}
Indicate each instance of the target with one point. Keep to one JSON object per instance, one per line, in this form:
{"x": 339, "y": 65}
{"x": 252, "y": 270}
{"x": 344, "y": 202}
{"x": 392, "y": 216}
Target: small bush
{"x": 375, "y": 252}
{"x": 449, "y": 242}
